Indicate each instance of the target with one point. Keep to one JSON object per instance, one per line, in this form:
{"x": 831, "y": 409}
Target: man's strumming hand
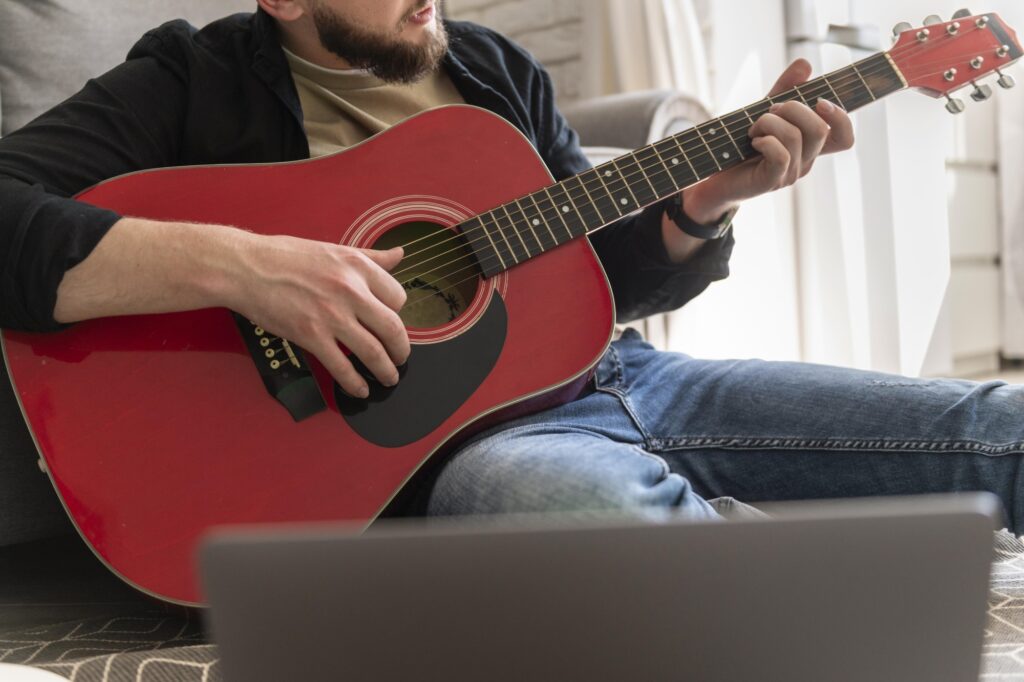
{"x": 312, "y": 293}
{"x": 318, "y": 294}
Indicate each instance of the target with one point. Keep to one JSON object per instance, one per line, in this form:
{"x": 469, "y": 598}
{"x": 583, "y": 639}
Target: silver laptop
{"x": 878, "y": 590}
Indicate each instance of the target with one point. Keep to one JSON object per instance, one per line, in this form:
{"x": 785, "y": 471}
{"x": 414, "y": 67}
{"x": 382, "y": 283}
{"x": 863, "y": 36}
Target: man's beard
{"x": 390, "y": 59}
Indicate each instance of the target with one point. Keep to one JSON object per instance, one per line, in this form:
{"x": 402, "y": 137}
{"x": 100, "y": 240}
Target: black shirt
{"x": 225, "y": 95}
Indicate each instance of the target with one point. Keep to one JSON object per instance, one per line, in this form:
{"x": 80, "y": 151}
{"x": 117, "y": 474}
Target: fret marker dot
{"x": 675, "y": 162}
{"x": 565, "y": 209}
{"x": 607, "y": 174}
{"x": 711, "y": 131}
{"x": 536, "y": 222}
{"x": 623, "y": 201}
{"x": 725, "y": 155}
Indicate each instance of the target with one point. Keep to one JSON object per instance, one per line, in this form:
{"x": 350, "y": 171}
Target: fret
{"x": 639, "y": 185}
{"x": 519, "y": 235}
{"x": 656, "y": 171}
{"x": 583, "y": 218}
{"x": 686, "y": 157}
{"x": 558, "y": 212}
{"x": 540, "y": 245}
{"x": 609, "y": 207}
{"x": 643, "y": 172}
{"x": 667, "y": 170}
{"x": 504, "y": 236}
{"x": 614, "y": 212}
{"x": 493, "y": 245}
{"x": 682, "y": 174}
{"x": 616, "y": 187}
{"x": 537, "y": 217}
{"x": 725, "y": 127}
{"x": 707, "y": 146}
{"x": 838, "y": 100}
{"x": 747, "y": 114}
{"x": 526, "y": 220}
{"x": 628, "y": 184}
{"x": 861, "y": 77}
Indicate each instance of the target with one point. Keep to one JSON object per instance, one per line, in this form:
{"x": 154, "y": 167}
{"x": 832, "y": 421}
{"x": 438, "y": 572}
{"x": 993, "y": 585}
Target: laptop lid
{"x": 880, "y": 589}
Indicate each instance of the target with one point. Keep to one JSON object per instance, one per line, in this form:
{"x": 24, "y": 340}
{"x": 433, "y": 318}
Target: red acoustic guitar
{"x": 155, "y": 428}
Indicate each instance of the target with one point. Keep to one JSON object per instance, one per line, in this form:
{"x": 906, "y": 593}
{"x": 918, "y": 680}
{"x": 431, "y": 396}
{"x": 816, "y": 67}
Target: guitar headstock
{"x": 942, "y": 57}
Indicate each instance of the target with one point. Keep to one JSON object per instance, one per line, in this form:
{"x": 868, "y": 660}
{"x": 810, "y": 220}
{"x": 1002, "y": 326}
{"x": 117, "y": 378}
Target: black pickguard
{"x": 437, "y": 379}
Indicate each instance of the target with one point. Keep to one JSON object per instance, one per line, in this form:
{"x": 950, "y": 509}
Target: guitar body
{"x": 156, "y": 428}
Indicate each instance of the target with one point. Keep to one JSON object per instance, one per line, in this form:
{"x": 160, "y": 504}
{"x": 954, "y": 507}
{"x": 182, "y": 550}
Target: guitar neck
{"x": 543, "y": 220}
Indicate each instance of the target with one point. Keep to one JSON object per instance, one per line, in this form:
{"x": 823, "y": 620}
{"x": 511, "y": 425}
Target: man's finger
{"x": 796, "y": 73}
{"x": 814, "y": 130}
{"x": 840, "y": 137}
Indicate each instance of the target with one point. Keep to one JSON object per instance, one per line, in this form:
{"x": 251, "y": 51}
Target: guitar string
{"x": 543, "y": 213}
{"x": 546, "y": 213}
{"x": 471, "y": 266}
{"x": 474, "y": 265}
{"x": 842, "y": 82}
{"x": 821, "y": 83}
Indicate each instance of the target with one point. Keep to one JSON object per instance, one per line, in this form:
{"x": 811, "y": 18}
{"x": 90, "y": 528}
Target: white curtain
{"x": 644, "y": 45}
{"x": 1011, "y": 172}
{"x": 632, "y": 45}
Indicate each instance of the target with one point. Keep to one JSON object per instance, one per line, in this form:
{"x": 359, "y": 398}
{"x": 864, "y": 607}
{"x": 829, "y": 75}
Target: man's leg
{"x": 761, "y": 431}
{"x": 583, "y": 457}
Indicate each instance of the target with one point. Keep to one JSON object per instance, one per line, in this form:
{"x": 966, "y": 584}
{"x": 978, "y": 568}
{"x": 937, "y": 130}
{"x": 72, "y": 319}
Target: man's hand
{"x": 317, "y": 295}
{"x": 789, "y": 138}
{"x": 313, "y": 293}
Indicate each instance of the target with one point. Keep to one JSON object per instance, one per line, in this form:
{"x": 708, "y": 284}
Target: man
{"x": 659, "y": 433}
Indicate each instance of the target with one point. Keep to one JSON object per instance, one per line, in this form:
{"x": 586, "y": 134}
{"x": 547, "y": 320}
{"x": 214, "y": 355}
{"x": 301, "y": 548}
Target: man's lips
{"x": 424, "y": 16}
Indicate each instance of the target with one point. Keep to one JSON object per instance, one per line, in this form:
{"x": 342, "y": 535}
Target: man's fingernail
{"x": 826, "y": 105}
{"x": 775, "y": 107}
{"x": 363, "y": 392}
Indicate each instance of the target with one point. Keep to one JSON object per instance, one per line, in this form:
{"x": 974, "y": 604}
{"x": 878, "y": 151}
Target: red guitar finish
{"x": 156, "y": 428}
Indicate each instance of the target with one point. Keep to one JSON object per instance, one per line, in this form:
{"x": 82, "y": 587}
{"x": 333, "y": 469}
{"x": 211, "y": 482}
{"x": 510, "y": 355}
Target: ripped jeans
{"x": 663, "y": 433}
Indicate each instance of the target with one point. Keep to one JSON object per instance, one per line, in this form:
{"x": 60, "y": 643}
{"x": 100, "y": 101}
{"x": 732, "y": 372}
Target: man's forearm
{"x": 144, "y": 266}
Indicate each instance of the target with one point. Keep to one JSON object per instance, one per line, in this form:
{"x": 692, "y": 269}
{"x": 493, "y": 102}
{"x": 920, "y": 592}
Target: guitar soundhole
{"x": 438, "y": 271}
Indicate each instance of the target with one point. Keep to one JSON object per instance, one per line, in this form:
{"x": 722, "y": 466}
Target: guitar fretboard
{"x": 531, "y": 225}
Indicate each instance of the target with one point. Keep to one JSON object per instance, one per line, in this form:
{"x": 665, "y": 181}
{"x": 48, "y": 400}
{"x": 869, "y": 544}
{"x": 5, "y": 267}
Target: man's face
{"x": 399, "y": 41}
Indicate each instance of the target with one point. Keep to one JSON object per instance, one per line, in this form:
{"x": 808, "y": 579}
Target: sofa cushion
{"x": 49, "y": 48}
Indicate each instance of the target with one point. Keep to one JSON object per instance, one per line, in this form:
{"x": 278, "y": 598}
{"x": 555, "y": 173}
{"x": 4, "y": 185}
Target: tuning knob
{"x": 955, "y": 106}
{"x": 962, "y": 13}
{"x": 1005, "y": 81}
{"x": 932, "y": 19}
{"x": 900, "y": 28}
{"x": 981, "y": 92}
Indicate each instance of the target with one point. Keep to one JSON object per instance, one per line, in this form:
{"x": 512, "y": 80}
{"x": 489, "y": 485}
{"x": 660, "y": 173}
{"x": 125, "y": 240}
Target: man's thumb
{"x": 386, "y": 259}
{"x": 796, "y": 73}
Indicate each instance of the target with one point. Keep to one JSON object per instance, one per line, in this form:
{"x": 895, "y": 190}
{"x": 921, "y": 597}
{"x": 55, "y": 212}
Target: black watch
{"x": 716, "y": 230}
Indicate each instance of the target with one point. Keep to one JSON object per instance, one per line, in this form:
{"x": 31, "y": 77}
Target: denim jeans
{"x": 663, "y": 433}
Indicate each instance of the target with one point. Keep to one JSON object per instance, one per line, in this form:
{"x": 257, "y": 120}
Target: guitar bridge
{"x": 284, "y": 370}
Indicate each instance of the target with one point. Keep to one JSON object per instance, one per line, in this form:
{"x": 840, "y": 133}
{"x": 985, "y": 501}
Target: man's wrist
{"x": 681, "y": 214}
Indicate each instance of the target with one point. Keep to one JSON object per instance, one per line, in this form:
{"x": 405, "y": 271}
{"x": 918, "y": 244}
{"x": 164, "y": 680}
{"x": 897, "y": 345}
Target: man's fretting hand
{"x": 317, "y": 294}
{"x": 789, "y": 138}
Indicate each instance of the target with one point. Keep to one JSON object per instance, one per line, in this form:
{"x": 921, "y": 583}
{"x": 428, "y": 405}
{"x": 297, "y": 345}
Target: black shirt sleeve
{"x": 644, "y": 280}
{"x": 126, "y": 120}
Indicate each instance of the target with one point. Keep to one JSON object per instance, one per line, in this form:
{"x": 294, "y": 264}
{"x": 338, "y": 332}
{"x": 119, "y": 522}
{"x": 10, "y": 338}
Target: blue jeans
{"x": 662, "y": 433}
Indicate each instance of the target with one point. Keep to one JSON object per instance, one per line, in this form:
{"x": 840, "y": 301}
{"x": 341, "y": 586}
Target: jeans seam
{"x": 628, "y": 406}
{"x": 789, "y": 443}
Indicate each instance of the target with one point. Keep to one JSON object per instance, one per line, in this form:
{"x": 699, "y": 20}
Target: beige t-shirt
{"x": 342, "y": 108}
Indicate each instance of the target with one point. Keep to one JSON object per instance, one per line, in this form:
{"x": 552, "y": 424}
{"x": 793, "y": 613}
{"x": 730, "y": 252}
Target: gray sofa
{"x": 59, "y": 608}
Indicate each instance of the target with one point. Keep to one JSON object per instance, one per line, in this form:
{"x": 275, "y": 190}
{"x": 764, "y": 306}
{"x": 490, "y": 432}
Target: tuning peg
{"x": 954, "y": 105}
{"x": 962, "y": 14}
{"x": 1005, "y": 80}
{"x": 981, "y": 92}
{"x": 932, "y": 19}
{"x": 900, "y": 28}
